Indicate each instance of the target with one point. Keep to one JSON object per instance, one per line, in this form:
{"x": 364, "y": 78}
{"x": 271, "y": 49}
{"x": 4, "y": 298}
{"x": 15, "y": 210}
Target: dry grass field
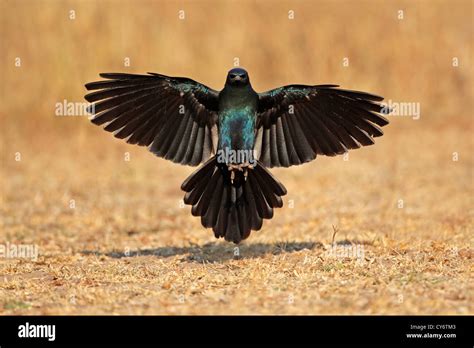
{"x": 388, "y": 230}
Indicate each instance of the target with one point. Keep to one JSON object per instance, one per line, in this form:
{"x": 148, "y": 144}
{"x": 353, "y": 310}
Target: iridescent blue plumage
{"x": 237, "y": 129}
{"x": 237, "y": 114}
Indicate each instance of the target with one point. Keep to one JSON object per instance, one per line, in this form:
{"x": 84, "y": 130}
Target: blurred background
{"x": 414, "y": 186}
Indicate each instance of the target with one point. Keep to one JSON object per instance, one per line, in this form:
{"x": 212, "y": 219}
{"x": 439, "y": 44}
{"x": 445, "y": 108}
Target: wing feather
{"x": 326, "y": 120}
{"x": 173, "y": 116}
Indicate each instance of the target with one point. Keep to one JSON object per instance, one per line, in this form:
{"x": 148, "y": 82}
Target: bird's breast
{"x": 237, "y": 128}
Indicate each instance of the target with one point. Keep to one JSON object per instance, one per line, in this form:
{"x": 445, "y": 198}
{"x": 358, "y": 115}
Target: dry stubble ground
{"x": 129, "y": 247}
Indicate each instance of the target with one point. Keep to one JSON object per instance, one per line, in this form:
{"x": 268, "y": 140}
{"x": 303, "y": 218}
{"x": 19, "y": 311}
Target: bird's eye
{"x": 233, "y": 76}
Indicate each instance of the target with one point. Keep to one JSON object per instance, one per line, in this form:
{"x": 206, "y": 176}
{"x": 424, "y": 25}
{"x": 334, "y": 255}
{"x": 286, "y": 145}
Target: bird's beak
{"x": 237, "y": 78}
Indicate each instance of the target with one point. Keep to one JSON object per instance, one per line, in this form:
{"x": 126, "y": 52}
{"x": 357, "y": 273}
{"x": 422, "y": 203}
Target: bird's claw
{"x": 241, "y": 167}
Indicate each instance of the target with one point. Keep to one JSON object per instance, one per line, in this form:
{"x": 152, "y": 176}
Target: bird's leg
{"x": 241, "y": 167}
{"x": 246, "y": 174}
{"x": 247, "y": 167}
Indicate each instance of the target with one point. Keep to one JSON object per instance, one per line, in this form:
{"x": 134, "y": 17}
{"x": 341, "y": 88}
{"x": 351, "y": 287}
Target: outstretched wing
{"x": 298, "y": 122}
{"x": 174, "y": 116}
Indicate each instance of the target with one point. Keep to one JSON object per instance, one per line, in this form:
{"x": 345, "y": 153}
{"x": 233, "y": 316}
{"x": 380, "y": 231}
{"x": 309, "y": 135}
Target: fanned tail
{"x": 232, "y": 208}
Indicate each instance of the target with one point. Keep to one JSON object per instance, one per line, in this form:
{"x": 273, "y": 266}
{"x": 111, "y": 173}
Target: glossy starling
{"x": 237, "y": 133}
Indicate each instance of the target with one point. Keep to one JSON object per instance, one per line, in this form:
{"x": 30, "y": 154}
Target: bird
{"x": 235, "y": 135}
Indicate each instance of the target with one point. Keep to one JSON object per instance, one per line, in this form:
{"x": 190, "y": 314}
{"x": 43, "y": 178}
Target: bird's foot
{"x": 241, "y": 167}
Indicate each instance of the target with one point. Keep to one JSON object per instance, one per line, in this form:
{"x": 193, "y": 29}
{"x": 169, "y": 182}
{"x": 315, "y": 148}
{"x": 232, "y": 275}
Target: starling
{"x": 236, "y": 134}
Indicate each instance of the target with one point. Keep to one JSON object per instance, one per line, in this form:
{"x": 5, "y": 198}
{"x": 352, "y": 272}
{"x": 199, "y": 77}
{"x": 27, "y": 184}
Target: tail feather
{"x": 198, "y": 175}
{"x": 256, "y": 220}
{"x": 201, "y": 208}
{"x": 232, "y": 208}
{"x": 210, "y": 218}
{"x": 274, "y": 200}
{"x": 264, "y": 209}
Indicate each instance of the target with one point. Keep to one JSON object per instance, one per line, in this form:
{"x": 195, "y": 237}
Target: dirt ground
{"x": 387, "y": 230}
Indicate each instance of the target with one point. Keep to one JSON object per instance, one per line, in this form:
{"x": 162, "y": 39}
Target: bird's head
{"x": 237, "y": 77}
